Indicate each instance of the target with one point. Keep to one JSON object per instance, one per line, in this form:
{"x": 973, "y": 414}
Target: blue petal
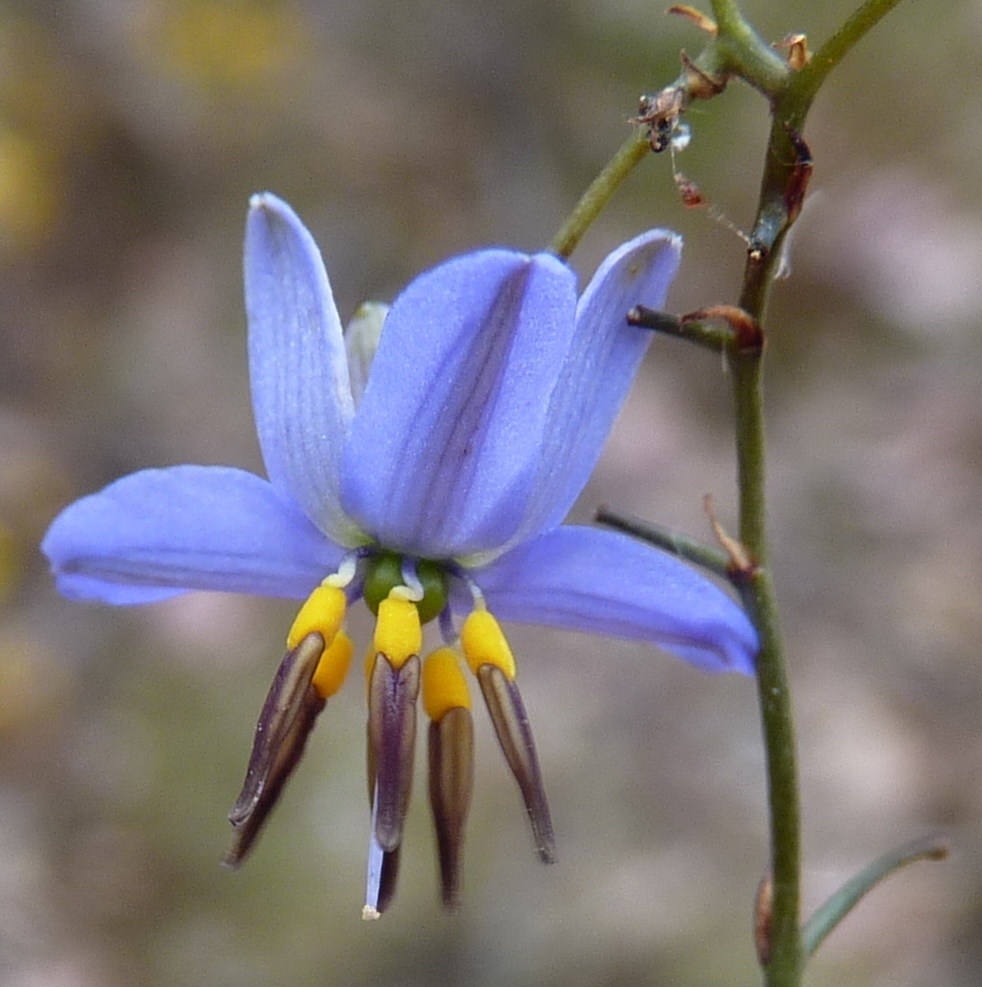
{"x": 297, "y": 363}
{"x": 158, "y": 533}
{"x": 448, "y": 436}
{"x": 603, "y": 358}
{"x": 588, "y": 579}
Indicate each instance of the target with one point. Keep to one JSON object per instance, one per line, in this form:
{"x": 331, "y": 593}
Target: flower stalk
{"x": 736, "y": 50}
{"x": 783, "y": 184}
{"x": 599, "y": 193}
{"x": 678, "y": 543}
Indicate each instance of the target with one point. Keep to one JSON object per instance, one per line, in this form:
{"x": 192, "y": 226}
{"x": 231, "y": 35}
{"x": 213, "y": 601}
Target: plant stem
{"x": 808, "y": 81}
{"x": 599, "y": 193}
{"x": 773, "y": 690}
{"x": 695, "y": 331}
{"x": 743, "y": 52}
{"x": 784, "y": 960}
{"x": 681, "y": 545}
{"x": 781, "y": 184}
{"x": 738, "y": 51}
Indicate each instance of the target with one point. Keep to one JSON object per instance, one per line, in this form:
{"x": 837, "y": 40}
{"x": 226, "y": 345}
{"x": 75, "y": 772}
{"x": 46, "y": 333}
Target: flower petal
{"x": 297, "y": 364}
{"x": 604, "y": 582}
{"x": 447, "y": 437}
{"x": 158, "y": 533}
{"x": 603, "y": 358}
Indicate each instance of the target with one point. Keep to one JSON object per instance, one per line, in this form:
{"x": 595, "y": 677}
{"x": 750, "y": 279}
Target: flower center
{"x": 387, "y": 571}
{"x": 403, "y": 593}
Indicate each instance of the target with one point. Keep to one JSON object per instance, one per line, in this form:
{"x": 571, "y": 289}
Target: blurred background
{"x": 132, "y": 133}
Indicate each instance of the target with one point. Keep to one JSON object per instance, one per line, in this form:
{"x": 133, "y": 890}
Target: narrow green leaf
{"x": 853, "y": 891}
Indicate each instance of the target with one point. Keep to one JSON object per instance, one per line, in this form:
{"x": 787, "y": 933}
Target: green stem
{"x": 808, "y": 81}
{"x": 785, "y": 958}
{"x": 712, "y": 337}
{"x": 630, "y": 153}
{"x": 776, "y": 213}
{"x": 774, "y": 694}
{"x": 742, "y": 51}
{"x": 679, "y": 544}
{"x": 738, "y": 51}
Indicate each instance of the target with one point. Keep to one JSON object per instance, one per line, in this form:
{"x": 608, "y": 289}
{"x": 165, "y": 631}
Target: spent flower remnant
{"x": 422, "y": 462}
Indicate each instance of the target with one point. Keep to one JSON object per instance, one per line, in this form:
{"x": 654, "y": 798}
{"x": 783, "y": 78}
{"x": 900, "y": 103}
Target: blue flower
{"x": 433, "y": 487}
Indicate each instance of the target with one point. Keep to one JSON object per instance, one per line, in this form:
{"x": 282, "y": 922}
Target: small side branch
{"x": 683, "y": 546}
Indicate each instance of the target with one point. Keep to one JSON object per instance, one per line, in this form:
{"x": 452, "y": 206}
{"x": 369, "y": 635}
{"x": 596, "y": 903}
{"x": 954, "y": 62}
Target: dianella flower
{"x": 421, "y": 462}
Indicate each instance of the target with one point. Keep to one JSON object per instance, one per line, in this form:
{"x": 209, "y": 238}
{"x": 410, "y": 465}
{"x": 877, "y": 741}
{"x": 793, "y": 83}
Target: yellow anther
{"x": 333, "y": 667}
{"x": 398, "y": 635}
{"x": 484, "y": 643}
{"x": 322, "y": 613}
{"x": 444, "y": 686}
